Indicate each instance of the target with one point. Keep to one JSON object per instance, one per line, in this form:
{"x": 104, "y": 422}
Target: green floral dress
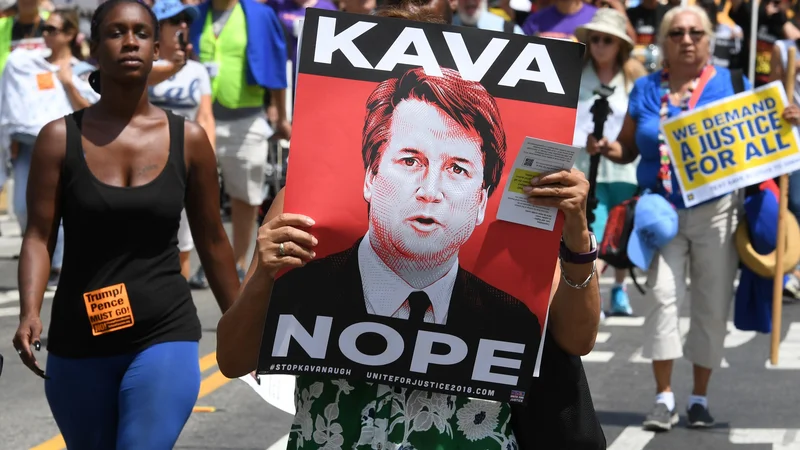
{"x": 338, "y": 414}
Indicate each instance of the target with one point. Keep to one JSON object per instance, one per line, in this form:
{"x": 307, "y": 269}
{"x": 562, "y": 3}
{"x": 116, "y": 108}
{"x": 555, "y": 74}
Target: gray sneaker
{"x": 699, "y": 417}
{"x": 198, "y": 280}
{"x": 660, "y": 418}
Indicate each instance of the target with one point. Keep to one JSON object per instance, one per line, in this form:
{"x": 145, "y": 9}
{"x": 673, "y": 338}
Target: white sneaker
{"x": 792, "y": 287}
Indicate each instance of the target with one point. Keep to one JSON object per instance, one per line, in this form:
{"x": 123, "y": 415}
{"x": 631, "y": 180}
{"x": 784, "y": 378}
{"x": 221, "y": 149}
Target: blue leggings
{"x": 128, "y": 402}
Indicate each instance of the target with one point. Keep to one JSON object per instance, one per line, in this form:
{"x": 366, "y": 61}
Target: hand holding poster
{"x": 401, "y": 156}
{"x": 733, "y": 143}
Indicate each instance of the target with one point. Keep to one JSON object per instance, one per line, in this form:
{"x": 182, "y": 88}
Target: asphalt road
{"x": 229, "y": 414}
{"x": 756, "y": 407}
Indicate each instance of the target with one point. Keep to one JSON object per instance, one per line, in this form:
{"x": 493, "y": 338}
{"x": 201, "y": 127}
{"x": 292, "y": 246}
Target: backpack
{"x": 613, "y": 249}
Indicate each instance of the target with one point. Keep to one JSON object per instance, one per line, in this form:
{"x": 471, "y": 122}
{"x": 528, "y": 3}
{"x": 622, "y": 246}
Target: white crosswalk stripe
{"x": 608, "y": 281}
{"x": 598, "y": 357}
{"x": 10, "y": 236}
{"x": 9, "y": 296}
{"x": 623, "y": 322}
{"x": 780, "y": 438}
{"x": 9, "y": 311}
{"x": 12, "y": 297}
{"x": 790, "y": 347}
{"x": 635, "y": 438}
{"x": 9, "y": 247}
{"x": 282, "y": 443}
{"x": 789, "y": 350}
{"x": 10, "y": 243}
{"x": 632, "y": 438}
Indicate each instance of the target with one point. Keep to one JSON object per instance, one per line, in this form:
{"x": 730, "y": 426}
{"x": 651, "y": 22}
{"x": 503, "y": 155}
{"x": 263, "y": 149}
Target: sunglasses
{"x": 606, "y": 40}
{"x": 50, "y": 29}
{"x": 678, "y": 34}
{"x": 180, "y": 19}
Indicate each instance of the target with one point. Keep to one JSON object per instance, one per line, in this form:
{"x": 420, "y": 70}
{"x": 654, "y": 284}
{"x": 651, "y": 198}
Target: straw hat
{"x": 764, "y": 265}
{"x": 608, "y": 21}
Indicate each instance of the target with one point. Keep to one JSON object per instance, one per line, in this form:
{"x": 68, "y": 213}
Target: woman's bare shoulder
{"x": 52, "y": 139}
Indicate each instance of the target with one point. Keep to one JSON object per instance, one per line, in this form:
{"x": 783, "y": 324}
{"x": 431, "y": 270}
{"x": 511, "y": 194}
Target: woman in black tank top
{"x": 124, "y": 329}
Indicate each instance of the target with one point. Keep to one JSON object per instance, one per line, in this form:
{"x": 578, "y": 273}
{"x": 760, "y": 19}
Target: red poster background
{"x": 325, "y": 181}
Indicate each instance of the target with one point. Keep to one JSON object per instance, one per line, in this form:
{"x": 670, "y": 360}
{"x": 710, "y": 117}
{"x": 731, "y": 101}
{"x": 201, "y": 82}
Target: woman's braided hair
{"x": 99, "y": 16}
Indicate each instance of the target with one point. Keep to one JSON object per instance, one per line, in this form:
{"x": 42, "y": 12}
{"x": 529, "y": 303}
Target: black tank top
{"x": 121, "y": 289}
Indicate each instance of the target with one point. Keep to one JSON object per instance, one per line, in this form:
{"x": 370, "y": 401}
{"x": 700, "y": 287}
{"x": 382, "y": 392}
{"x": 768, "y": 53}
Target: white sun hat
{"x": 521, "y": 5}
{"x": 608, "y": 21}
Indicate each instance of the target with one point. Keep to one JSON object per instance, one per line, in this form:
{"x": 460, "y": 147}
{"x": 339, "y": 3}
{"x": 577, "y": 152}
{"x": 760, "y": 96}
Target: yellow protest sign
{"x": 732, "y": 143}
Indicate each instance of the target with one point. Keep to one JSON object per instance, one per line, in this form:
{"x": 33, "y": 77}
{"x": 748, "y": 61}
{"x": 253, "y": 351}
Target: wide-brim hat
{"x": 521, "y": 5}
{"x": 764, "y": 265}
{"x": 608, "y": 21}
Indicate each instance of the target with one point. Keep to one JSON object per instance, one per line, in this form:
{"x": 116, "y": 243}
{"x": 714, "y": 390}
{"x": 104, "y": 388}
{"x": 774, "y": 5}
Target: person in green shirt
{"x": 243, "y": 46}
{"x": 25, "y": 28}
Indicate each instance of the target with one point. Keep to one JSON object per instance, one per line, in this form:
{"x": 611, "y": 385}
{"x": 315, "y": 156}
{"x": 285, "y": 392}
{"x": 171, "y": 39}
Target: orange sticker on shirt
{"x": 45, "y": 81}
{"x": 109, "y": 309}
{"x": 644, "y": 39}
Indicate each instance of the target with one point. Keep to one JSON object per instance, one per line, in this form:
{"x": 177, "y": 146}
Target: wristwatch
{"x": 568, "y": 256}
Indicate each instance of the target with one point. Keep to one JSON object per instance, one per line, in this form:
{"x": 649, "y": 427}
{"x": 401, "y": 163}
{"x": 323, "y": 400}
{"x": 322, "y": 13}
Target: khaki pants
{"x": 242, "y": 157}
{"x": 705, "y": 247}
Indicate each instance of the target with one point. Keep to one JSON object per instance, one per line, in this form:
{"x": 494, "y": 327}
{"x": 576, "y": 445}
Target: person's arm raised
{"x": 574, "y": 313}
{"x": 166, "y": 69}
{"x": 202, "y": 210}
{"x": 39, "y": 240}
{"x": 240, "y": 329}
{"x": 205, "y": 117}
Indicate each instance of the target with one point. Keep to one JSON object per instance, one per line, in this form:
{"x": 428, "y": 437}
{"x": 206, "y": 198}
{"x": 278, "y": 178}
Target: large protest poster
{"x": 404, "y": 136}
{"x": 733, "y": 143}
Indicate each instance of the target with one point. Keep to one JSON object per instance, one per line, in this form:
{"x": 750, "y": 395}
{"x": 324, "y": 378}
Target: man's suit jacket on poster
{"x": 331, "y": 286}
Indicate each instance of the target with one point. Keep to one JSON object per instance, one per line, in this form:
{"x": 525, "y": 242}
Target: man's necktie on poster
{"x": 419, "y": 302}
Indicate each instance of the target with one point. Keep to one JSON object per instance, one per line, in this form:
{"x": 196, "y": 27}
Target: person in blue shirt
{"x": 704, "y": 242}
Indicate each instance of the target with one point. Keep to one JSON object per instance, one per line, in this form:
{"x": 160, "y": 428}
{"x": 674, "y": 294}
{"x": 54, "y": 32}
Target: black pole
{"x": 600, "y": 111}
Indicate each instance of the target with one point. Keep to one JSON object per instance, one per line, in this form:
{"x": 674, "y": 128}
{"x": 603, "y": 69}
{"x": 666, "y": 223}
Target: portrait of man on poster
{"x": 433, "y": 149}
